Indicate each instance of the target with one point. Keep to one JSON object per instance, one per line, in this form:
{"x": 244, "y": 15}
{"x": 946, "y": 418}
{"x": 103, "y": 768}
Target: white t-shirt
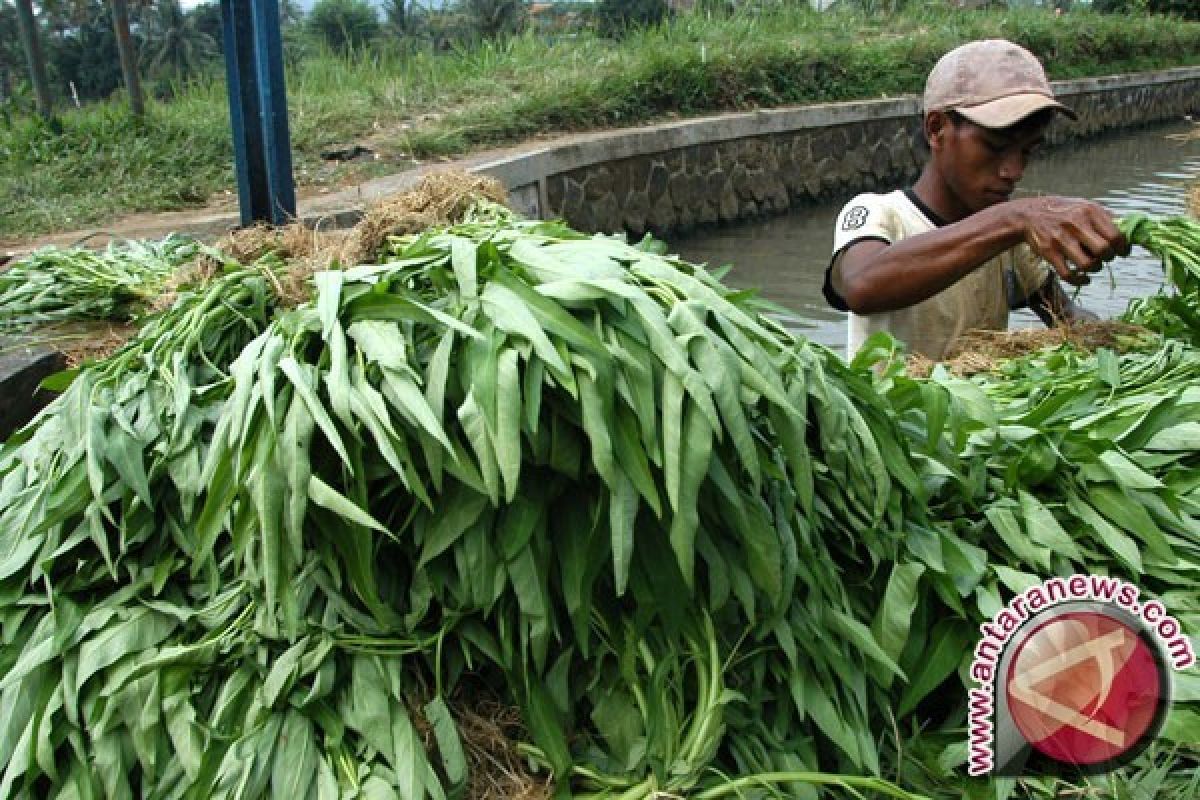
{"x": 979, "y": 300}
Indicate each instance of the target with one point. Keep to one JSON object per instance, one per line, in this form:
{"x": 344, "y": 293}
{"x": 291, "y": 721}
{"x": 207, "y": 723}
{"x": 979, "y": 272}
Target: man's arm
{"x": 1075, "y": 236}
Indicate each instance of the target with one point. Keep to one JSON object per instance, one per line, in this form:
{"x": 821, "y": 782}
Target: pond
{"x": 1147, "y": 170}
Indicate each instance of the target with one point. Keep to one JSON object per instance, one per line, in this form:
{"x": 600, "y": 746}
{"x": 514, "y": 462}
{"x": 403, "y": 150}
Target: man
{"x": 955, "y": 252}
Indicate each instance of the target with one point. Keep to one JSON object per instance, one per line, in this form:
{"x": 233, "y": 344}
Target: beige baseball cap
{"x": 992, "y": 82}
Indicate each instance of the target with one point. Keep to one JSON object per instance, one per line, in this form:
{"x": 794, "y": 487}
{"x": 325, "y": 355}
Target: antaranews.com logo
{"x": 1073, "y": 673}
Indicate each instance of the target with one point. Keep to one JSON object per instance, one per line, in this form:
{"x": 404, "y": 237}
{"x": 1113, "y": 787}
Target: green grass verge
{"x": 423, "y": 104}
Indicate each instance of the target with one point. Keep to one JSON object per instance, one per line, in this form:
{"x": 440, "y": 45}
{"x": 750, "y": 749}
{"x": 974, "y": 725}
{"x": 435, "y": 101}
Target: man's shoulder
{"x": 869, "y": 214}
{"x": 870, "y": 200}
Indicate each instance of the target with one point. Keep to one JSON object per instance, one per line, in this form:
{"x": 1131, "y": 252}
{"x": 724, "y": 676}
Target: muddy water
{"x": 1147, "y": 170}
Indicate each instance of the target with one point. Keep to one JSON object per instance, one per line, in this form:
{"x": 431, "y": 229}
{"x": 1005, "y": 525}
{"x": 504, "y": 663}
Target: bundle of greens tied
{"x": 118, "y": 283}
{"x": 277, "y": 551}
{"x": 1174, "y": 312}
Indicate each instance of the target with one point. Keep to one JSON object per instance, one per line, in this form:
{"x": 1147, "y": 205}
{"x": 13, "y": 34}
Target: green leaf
{"x": 816, "y": 701}
{"x": 337, "y": 376}
{"x": 329, "y": 295}
{"x": 413, "y": 773}
{"x": 463, "y": 259}
{"x": 622, "y": 513}
{"x": 283, "y": 673}
{"x": 965, "y": 562}
{"x": 546, "y": 728}
{"x": 445, "y": 732}
{"x": 1126, "y": 473}
{"x": 60, "y": 381}
{"x": 511, "y": 315}
{"x": 1120, "y": 545}
{"x": 1107, "y": 368}
{"x": 892, "y": 620}
{"x": 1182, "y": 726}
{"x": 695, "y": 461}
{"x": 296, "y": 458}
{"x": 408, "y": 399}
{"x": 399, "y": 309}
{"x": 462, "y": 509}
{"x": 295, "y": 767}
{"x": 1045, "y": 530}
{"x": 125, "y": 454}
{"x": 860, "y": 636}
{"x": 1004, "y": 522}
{"x": 596, "y": 409}
{"x": 138, "y": 630}
{"x": 475, "y": 426}
{"x": 672, "y": 427}
{"x": 508, "y": 421}
{"x": 948, "y": 644}
{"x": 1181, "y": 437}
{"x": 316, "y": 410}
{"x": 329, "y": 498}
{"x": 1128, "y": 512}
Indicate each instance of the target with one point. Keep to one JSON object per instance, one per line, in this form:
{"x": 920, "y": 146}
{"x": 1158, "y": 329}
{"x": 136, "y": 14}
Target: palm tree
{"x": 397, "y": 13}
{"x": 128, "y": 55}
{"x": 172, "y": 43}
{"x": 27, "y": 27}
{"x": 290, "y": 13}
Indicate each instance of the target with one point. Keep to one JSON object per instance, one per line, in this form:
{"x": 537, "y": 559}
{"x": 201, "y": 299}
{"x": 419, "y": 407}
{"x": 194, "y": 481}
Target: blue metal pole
{"x": 243, "y": 106}
{"x": 273, "y": 107}
{"x": 258, "y": 110}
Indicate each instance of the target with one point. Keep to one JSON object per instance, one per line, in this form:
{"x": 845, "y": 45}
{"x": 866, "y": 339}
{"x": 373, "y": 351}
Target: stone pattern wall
{"x": 1127, "y": 107}
{"x": 675, "y": 191}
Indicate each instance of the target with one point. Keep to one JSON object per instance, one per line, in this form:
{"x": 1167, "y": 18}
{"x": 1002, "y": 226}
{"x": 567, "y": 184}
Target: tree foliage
{"x": 206, "y": 18}
{"x": 173, "y": 44}
{"x": 615, "y": 17}
{"x": 344, "y": 24}
{"x": 83, "y": 60}
{"x": 492, "y": 18}
{"x": 12, "y": 70}
{"x": 1188, "y": 9}
{"x": 398, "y": 16}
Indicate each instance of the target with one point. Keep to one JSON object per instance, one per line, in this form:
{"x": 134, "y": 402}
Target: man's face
{"x": 982, "y": 166}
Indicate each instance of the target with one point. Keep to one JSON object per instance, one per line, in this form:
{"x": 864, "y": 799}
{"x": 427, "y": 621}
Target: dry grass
{"x": 1194, "y": 200}
{"x": 85, "y": 342}
{"x": 440, "y": 198}
{"x": 982, "y": 351}
{"x": 490, "y": 731}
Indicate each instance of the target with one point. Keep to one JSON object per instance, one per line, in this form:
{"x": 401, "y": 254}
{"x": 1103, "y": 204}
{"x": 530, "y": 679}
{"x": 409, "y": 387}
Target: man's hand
{"x": 1075, "y": 236}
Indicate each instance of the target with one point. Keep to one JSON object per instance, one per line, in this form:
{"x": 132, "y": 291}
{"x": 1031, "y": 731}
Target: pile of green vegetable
{"x": 574, "y": 471}
{"x": 52, "y": 284}
{"x": 270, "y": 551}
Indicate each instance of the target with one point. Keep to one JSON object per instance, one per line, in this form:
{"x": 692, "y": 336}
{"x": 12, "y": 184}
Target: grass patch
{"x": 422, "y": 104}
